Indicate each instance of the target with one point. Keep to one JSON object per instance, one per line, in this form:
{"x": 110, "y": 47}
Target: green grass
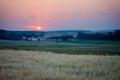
{"x": 70, "y": 47}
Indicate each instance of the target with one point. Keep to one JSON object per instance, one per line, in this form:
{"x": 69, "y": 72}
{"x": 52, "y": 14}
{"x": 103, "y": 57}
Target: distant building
{"x": 33, "y": 38}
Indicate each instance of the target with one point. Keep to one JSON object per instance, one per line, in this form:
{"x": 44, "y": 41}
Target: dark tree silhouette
{"x": 110, "y": 36}
{"x": 3, "y": 34}
{"x": 14, "y": 36}
{"x": 81, "y": 35}
{"x": 66, "y": 37}
{"x": 117, "y": 35}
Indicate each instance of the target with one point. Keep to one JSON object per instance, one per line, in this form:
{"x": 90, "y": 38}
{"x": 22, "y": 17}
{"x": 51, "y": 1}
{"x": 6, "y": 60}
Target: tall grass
{"x": 37, "y": 65}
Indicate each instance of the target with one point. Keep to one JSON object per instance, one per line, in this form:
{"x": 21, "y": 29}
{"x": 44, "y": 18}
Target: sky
{"x": 60, "y": 14}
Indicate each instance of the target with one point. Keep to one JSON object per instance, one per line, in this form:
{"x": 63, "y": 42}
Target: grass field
{"x": 37, "y": 65}
{"x": 36, "y": 60}
{"x": 70, "y": 47}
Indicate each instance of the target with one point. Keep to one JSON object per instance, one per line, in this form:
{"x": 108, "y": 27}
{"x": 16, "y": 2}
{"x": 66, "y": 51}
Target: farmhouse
{"x": 25, "y": 35}
{"x": 33, "y": 35}
{"x": 32, "y": 38}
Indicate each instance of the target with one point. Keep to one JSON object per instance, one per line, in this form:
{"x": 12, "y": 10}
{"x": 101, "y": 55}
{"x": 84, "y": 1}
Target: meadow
{"x": 39, "y": 65}
{"x": 87, "y": 47}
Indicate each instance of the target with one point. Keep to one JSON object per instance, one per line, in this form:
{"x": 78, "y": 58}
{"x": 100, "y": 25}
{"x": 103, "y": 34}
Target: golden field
{"x": 37, "y": 65}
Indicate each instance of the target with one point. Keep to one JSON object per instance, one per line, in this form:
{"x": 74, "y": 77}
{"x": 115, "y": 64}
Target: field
{"x": 71, "y": 47}
{"x": 50, "y": 60}
{"x": 37, "y": 65}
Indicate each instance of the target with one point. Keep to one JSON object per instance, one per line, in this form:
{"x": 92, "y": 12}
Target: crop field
{"x": 39, "y": 65}
{"x": 51, "y": 60}
{"x": 71, "y": 47}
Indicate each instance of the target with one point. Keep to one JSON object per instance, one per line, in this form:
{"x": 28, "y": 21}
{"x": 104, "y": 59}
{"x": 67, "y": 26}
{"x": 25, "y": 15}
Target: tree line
{"x": 99, "y": 36}
{"x": 18, "y": 35}
{"x": 11, "y": 35}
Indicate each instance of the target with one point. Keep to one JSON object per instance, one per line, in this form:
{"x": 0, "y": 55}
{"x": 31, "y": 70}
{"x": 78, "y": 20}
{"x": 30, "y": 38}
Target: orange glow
{"x": 38, "y": 28}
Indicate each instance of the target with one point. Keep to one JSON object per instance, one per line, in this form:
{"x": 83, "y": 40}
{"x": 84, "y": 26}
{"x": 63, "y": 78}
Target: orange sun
{"x": 38, "y": 28}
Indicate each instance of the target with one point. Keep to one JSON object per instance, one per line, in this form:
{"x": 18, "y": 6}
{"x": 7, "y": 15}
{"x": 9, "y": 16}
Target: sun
{"x": 38, "y": 28}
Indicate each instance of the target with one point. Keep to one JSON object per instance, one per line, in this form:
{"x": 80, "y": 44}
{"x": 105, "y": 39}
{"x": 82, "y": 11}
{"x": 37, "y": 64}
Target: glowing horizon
{"x": 60, "y": 14}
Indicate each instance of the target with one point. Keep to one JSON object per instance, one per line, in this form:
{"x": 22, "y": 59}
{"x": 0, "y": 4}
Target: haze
{"x": 60, "y": 14}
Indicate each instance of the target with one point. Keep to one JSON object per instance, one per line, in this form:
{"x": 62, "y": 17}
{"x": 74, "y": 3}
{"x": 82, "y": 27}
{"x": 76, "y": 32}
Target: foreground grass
{"x": 36, "y": 65}
{"x": 71, "y": 47}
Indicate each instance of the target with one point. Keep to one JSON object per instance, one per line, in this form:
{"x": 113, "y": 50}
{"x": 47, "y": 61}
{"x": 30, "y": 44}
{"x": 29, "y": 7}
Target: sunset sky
{"x": 59, "y": 14}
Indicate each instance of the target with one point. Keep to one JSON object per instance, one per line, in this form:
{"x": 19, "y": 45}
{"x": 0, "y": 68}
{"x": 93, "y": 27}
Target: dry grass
{"x": 34, "y": 65}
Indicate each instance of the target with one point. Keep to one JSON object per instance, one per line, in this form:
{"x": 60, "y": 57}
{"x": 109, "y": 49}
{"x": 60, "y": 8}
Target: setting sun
{"x": 38, "y": 28}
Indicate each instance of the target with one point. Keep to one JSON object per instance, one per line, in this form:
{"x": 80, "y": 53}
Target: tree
{"x": 14, "y": 36}
{"x": 110, "y": 36}
{"x": 3, "y": 34}
{"x": 81, "y": 35}
{"x": 117, "y": 35}
{"x": 66, "y": 37}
